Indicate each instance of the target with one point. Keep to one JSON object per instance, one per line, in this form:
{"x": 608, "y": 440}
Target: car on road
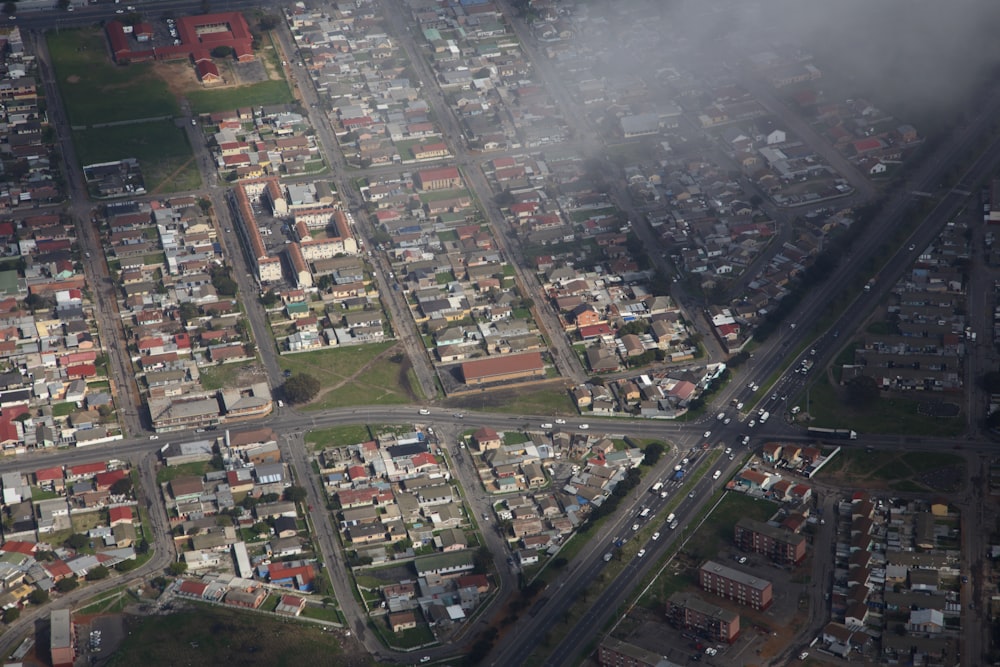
{"x": 746, "y": 440}
{"x": 424, "y": 411}
{"x": 673, "y": 525}
{"x": 607, "y": 557}
{"x": 752, "y": 423}
{"x": 803, "y": 655}
{"x": 913, "y": 246}
{"x": 560, "y": 421}
{"x": 426, "y": 658}
{"x": 707, "y": 435}
{"x": 459, "y": 415}
{"x": 711, "y": 650}
{"x": 691, "y": 495}
{"x": 119, "y": 11}
{"x": 729, "y": 450}
{"x": 486, "y": 516}
{"x": 774, "y": 397}
{"x": 635, "y": 526}
{"x": 547, "y": 425}
{"x": 656, "y": 536}
{"x": 741, "y": 560}
{"x": 727, "y": 420}
{"x": 642, "y": 552}
{"x": 965, "y": 579}
{"x": 154, "y": 437}
{"x": 739, "y": 405}
{"x": 584, "y": 427}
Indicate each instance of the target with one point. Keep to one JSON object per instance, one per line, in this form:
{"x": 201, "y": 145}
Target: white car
{"x": 560, "y": 421}
{"x": 642, "y": 552}
{"x": 803, "y": 655}
{"x": 711, "y": 650}
{"x": 727, "y": 420}
{"x": 426, "y": 658}
{"x": 707, "y": 435}
{"x": 739, "y": 406}
{"x": 635, "y": 526}
{"x": 746, "y": 440}
{"x": 656, "y": 536}
{"x": 584, "y": 427}
{"x": 154, "y": 437}
{"x": 752, "y": 423}
{"x": 729, "y": 450}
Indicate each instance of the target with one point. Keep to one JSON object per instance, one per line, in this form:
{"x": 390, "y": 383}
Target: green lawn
{"x": 95, "y": 90}
{"x": 338, "y": 436}
{"x": 226, "y": 99}
{"x": 548, "y": 400}
{"x": 887, "y": 415}
{"x": 209, "y": 636}
{"x": 167, "y": 473}
{"x": 360, "y": 375}
{"x": 217, "y": 377}
{"x": 161, "y": 147}
{"x": 63, "y": 409}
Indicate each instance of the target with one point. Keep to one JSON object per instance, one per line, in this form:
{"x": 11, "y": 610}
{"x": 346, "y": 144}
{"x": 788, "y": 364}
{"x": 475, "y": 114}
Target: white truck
{"x": 656, "y": 487}
{"x": 764, "y": 416}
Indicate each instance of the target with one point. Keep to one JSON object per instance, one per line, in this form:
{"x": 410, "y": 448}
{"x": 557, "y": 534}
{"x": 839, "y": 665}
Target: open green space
{"x": 440, "y": 195}
{"x": 226, "y": 99}
{"x": 216, "y": 636}
{"x": 338, "y": 436}
{"x": 361, "y": 375}
{"x": 546, "y": 400}
{"x": 161, "y": 147}
{"x": 226, "y": 375}
{"x": 95, "y": 90}
{"x": 897, "y": 469}
{"x": 889, "y": 414}
{"x": 167, "y": 473}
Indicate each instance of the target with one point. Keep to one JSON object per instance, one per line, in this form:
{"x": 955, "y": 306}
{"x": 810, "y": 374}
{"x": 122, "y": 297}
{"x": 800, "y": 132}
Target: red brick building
{"x": 779, "y": 545}
{"x": 688, "y": 611}
{"x": 735, "y": 585}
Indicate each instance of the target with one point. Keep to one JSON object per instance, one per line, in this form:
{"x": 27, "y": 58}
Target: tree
{"x": 98, "y": 573}
{"x": 122, "y": 487}
{"x": 77, "y": 541}
{"x": 222, "y": 51}
{"x": 223, "y": 282}
{"x": 66, "y": 585}
{"x": 268, "y": 22}
{"x": 296, "y": 494}
{"x": 177, "y": 568}
{"x": 269, "y": 298}
{"x": 652, "y": 453}
{"x": 301, "y": 388}
{"x": 11, "y": 615}
{"x": 127, "y": 565}
{"x": 38, "y": 596}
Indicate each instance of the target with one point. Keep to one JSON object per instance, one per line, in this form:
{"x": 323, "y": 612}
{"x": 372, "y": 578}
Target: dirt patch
{"x": 179, "y": 77}
{"x": 73, "y": 78}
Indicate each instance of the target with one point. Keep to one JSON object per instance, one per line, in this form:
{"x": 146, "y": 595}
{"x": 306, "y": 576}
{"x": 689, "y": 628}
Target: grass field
{"x": 225, "y": 99}
{"x": 161, "y": 147}
{"x": 888, "y": 415}
{"x": 213, "y": 636}
{"x": 95, "y": 90}
{"x": 226, "y": 375}
{"x": 167, "y": 473}
{"x": 338, "y": 436}
{"x": 548, "y": 400}
{"x": 359, "y": 375}
{"x": 896, "y": 469}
